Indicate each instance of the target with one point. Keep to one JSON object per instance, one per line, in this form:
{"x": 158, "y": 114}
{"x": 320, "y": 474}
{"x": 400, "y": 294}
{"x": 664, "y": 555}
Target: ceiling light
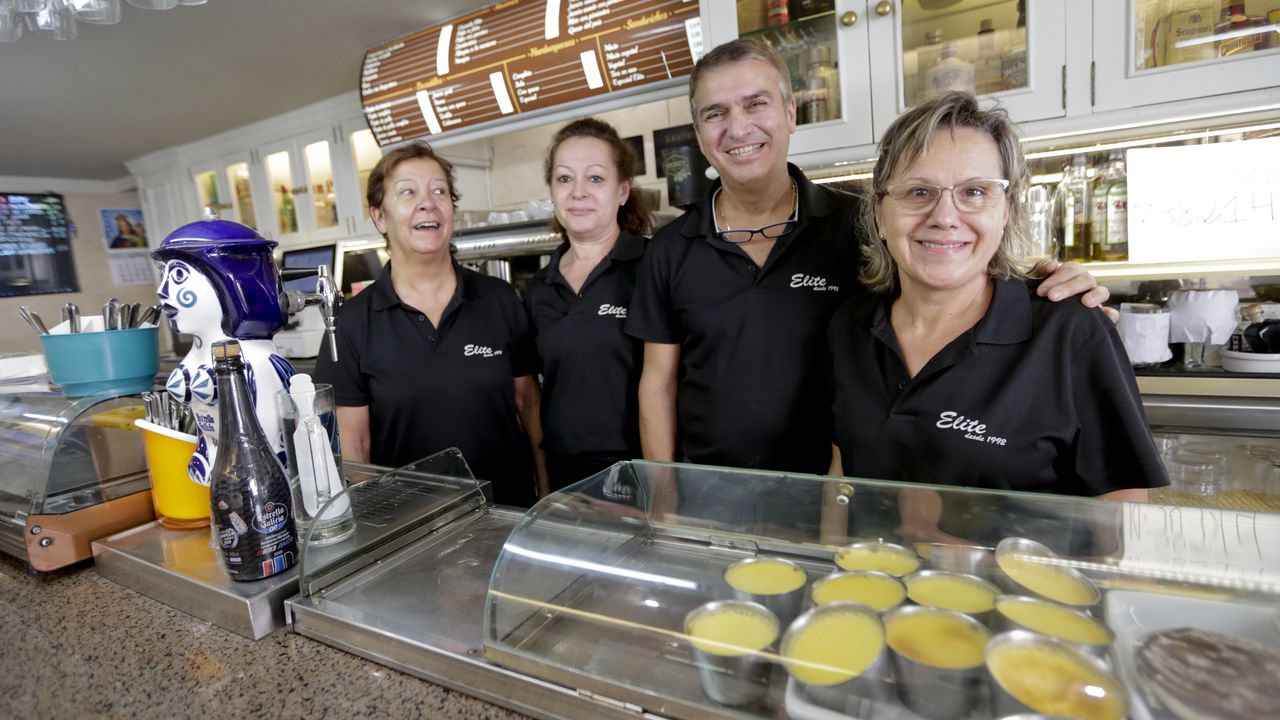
{"x": 57, "y": 19}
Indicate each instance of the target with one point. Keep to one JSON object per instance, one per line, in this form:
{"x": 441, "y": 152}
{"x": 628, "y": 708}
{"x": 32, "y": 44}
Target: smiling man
{"x": 734, "y": 297}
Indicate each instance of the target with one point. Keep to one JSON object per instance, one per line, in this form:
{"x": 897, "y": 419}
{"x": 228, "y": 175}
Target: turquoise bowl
{"x": 116, "y": 361}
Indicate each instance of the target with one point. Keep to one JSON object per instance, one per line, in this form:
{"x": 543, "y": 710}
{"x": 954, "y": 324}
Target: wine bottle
{"x": 251, "y": 507}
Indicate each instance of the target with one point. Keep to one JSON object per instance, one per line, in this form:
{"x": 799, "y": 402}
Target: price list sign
{"x": 1218, "y": 201}
{"x": 520, "y": 56}
{"x": 35, "y": 245}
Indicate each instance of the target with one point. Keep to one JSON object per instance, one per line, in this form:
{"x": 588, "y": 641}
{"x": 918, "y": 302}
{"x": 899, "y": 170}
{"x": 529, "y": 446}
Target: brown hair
{"x": 906, "y": 140}
{"x": 751, "y": 48}
{"x": 376, "y": 189}
{"x": 633, "y": 215}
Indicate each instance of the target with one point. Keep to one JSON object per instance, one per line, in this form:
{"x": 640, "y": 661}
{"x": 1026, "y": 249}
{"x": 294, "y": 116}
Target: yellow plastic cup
{"x": 179, "y": 503}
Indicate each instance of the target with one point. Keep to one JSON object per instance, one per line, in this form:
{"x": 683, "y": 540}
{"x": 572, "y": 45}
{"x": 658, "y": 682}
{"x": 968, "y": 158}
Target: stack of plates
{"x": 1243, "y": 362}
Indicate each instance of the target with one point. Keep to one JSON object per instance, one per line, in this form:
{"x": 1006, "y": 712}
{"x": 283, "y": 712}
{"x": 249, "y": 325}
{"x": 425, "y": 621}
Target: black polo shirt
{"x": 1038, "y": 396}
{"x": 590, "y": 368}
{"x": 752, "y": 340}
{"x": 429, "y": 389}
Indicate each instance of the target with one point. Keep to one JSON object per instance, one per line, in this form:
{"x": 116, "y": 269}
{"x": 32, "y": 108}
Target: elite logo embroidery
{"x": 972, "y": 428}
{"x": 480, "y": 350}
{"x": 614, "y": 310}
{"x": 816, "y": 282}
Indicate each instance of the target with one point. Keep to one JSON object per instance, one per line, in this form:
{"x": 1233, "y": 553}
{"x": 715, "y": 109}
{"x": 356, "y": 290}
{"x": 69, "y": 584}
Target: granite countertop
{"x": 76, "y": 645}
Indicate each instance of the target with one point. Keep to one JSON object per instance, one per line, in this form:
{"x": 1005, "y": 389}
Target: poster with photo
{"x": 123, "y": 228}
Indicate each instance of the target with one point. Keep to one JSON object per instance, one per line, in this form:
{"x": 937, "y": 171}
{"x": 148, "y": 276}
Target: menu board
{"x": 35, "y": 245}
{"x": 521, "y": 56}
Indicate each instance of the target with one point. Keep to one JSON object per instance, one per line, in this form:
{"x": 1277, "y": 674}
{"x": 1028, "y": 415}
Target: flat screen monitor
{"x": 307, "y": 258}
{"x": 361, "y": 265}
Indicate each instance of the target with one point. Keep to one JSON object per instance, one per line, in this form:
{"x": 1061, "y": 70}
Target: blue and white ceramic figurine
{"x": 219, "y": 283}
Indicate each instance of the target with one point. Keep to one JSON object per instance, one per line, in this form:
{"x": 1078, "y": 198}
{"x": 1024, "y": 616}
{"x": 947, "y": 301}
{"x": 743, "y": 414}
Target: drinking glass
{"x": 322, "y": 507}
{"x": 154, "y": 4}
{"x": 1198, "y": 469}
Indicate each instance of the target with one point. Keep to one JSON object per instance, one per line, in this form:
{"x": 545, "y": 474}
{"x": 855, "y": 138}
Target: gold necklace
{"x": 793, "y": 215}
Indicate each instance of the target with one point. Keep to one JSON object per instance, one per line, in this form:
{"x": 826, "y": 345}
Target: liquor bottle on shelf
{"x": 1233, "y": 20}
{"x": 801, "y": 9}
{"x": 1188, "y": 32}
{"x": 1013, "y": 61}
{"x": 927, "y": 56}
{"x": 251, "y": 504}
{"x": 288, "y": 216}
{"x": 779, "y": 12}
{"x": 951, "y": 73}
{"x": 1263, "y": 336}
{"x": 1249, "y": 314}
{"x": 1071, "y": 207}
{"x": 987, "y": 72}
{"x": 824, "y": 76}
{"x": 1111, "y": 211}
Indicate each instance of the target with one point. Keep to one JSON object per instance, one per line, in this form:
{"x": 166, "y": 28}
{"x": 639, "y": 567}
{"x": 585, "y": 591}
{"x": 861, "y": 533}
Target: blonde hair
{"x": 906, "y": 140}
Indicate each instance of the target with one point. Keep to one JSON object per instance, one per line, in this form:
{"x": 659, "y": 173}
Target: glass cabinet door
{"x": 1011, "y": 49}
{"x": 1152, "y": 51}
{"x": 210, "y": 191}
{"x": 824, "y": 44}
{"x": 319, "y": 173}
{"x": 365, "y": 153}
{"x": 284, "y": 211}
{"x": 241, "y": 193}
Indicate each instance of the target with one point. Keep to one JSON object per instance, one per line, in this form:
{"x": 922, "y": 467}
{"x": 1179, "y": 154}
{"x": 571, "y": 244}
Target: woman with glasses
{"x": 952, "y": 370}
{"x": 578, "y": 304}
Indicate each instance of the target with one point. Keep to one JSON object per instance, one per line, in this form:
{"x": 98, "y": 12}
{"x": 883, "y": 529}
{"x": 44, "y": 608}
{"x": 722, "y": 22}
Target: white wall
{"x": 83, "y": 200}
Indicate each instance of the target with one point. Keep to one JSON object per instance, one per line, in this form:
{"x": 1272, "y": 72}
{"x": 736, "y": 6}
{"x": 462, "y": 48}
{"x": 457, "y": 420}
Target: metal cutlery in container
{"x": 33, "y": 320}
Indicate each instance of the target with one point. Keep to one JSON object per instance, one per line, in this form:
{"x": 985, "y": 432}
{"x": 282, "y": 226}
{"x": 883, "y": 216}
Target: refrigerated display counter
{"x": 689, "y": 592}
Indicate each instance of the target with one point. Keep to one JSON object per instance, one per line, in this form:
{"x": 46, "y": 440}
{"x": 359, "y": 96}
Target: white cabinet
{"x": 884, "y": 50}
{"x": 302, "y": 201}
{"x": 226, "y": 185}
{"x": 1158, "y": 51}
{"x": 354, "y": 158}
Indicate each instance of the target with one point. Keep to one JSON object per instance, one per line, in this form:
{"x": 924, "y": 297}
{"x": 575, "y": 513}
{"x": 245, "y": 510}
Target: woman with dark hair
{"x": 434, "y": 355}
{"x": 578, "y": 303}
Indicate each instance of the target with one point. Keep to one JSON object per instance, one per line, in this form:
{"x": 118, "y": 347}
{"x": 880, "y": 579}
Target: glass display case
{"x": 698, "y": 592}
{"x": 73, "y": 471}
{"x": 689, "y": 592}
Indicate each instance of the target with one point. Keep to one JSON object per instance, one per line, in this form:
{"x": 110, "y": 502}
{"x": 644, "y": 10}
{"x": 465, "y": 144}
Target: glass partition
{"x": 391, "y": 508}
{"x": 699, "y": 592}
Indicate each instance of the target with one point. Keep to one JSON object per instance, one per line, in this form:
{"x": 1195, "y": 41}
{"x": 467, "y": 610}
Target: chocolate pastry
{"x": 1200, "y": 674}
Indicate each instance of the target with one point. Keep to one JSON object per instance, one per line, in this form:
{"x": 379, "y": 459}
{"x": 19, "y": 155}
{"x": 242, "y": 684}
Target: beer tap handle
{"x": 330, "y": 302}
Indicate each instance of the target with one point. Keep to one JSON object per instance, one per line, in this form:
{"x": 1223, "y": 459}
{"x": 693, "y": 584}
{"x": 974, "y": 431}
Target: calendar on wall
{"x": 132, "y": 268}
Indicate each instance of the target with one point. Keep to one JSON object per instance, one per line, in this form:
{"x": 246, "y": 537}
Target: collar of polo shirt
{"x": 700, "y": 221}
{"x": 1006, "y": 322}
{"x": 384, "y": 293}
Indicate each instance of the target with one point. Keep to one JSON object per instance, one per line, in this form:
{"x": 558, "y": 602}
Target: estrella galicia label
{"x": 271, "y": 517}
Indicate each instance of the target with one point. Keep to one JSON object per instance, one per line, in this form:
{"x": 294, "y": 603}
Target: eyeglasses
{"x": 970, "y": 197}
{"x": 772, "y": 231}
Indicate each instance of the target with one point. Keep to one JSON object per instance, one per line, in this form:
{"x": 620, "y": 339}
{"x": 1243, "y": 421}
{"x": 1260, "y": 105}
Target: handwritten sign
{"x": 520, "y": 56}
{"x": 1205, "y": 202}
